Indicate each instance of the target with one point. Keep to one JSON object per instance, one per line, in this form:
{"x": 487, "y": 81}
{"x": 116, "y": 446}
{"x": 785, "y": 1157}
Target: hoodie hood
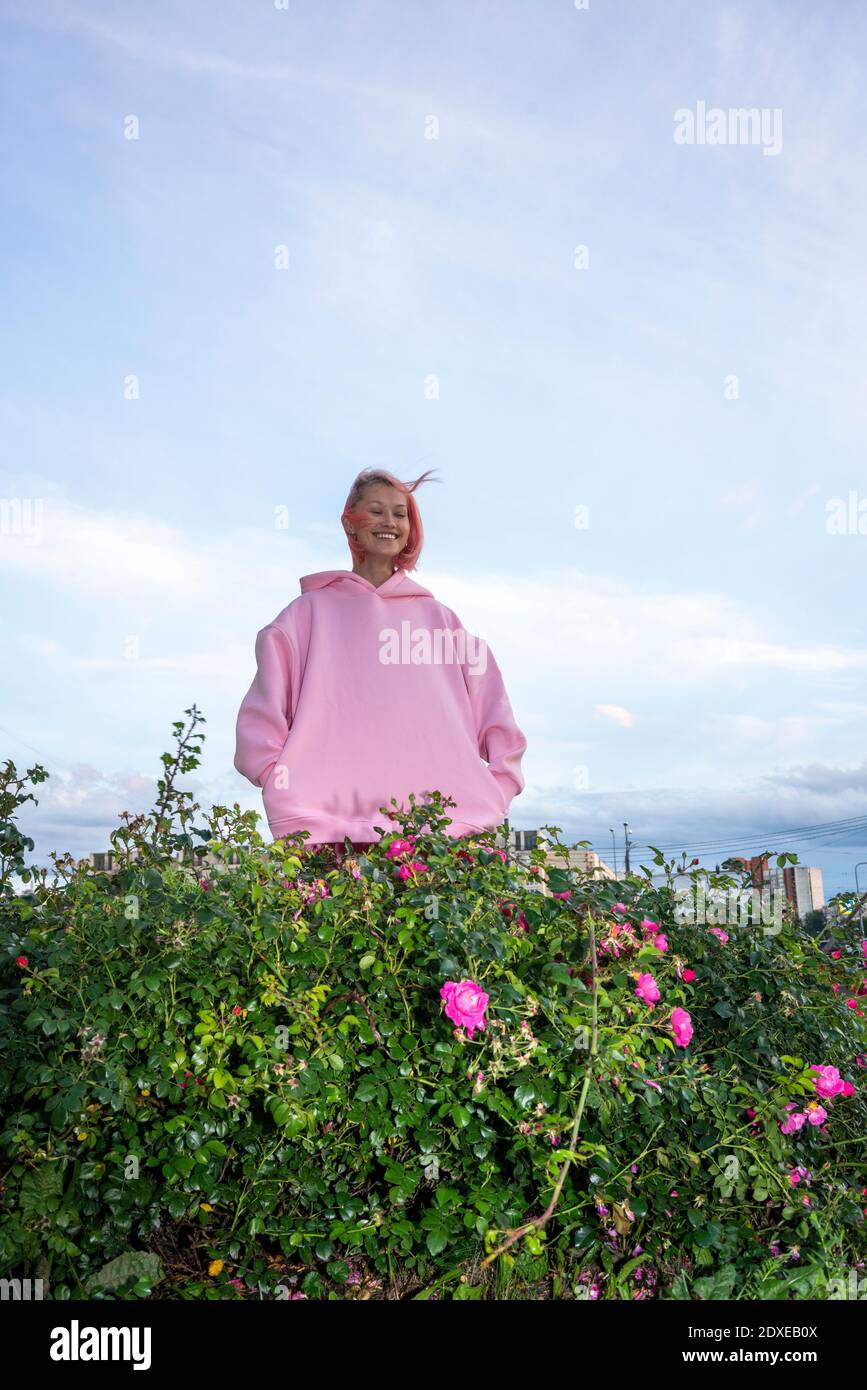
{"x": 398, "y": 586}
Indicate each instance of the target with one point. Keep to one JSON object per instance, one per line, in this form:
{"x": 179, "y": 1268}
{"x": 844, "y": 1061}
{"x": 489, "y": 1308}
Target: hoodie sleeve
{"x": 263, "y": 720}
{"x": 501, "y": 742}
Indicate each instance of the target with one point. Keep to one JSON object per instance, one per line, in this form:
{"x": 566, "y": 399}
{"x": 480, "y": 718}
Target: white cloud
{"x": 617, "y": 714}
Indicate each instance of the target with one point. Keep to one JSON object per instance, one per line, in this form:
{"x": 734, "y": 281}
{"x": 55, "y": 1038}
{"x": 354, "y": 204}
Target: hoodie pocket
{"x": 278, "y": 761}
{"x": 500, "y": 794}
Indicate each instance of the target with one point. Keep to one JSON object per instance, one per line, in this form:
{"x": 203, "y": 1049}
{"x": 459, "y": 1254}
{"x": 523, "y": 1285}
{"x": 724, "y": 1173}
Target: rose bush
{"x": 411, "y": 1073}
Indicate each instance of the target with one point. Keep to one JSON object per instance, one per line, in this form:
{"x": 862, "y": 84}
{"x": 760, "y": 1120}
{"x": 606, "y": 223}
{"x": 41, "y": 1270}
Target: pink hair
{"x": 408, "y": 557}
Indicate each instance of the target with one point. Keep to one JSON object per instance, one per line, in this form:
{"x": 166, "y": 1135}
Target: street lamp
{"x": 614, "y": 848}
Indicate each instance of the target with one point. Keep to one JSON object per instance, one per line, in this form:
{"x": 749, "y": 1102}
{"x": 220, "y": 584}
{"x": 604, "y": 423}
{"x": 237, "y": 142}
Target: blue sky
{"x": 693, "y": 659}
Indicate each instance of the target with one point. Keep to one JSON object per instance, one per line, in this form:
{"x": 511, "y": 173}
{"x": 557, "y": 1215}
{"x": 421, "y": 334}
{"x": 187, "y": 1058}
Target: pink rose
{"x": 416, "y": 867}
{"x": 647, "y": 989}
{"x": 864, "y": 948}
{"x": 399, "y": 847}
{"x": 620, "y": 908}
{"x": 681, "y": 1026}
{"x": 816, "y": 1113}
{"x": 848, "y": 1089}
{"x": 465, "y": 1004}
{"x": 661, "y": 942}
{"x": 721, "y": 935}
{"x": 796, "y": 1121}
{"x": 688, "y": 976}
{"x": 647, "y": 925}
{"x": 828, "y": 1081}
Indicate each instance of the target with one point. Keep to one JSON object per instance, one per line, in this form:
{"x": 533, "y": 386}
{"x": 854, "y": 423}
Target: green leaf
{"x": 437, "y": 1240}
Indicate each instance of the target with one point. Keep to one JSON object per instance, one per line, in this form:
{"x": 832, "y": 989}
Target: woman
{"x": 367, "y": 688}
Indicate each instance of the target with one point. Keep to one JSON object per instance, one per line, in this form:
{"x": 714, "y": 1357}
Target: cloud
{"x": 822, "y": 780}
{"x": 618, "y": 714}
{"x": 78, "y": 550}
{"x": 810, "y": 659}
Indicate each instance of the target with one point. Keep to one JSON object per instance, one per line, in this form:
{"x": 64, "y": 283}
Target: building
{"x": 105, "y": 861}
{"x": 584, "y": 861}
{"x": 802, "y": 886}
{"x": 520, "y": 842}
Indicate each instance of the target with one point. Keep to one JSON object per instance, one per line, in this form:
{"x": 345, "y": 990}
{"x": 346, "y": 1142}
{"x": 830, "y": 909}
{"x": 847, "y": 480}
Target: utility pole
{"x": 613, "y": 848}
{"x": 626, "y": 841}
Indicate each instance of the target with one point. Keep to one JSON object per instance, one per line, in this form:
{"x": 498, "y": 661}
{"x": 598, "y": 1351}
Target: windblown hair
{"x": 353, "y": 513}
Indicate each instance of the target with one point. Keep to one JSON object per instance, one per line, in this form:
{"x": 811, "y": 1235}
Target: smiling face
{"x": 383, "y": 531}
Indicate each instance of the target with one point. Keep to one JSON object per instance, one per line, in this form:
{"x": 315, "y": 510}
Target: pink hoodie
{"x": 362, "y": 694}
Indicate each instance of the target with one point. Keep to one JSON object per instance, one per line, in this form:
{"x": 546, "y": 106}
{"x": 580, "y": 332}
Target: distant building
{"x": 802, "y": 886}
{"x": 757, "y": 868}
{"x": 106, "y": 862}
{"x": 521, "y": 842}
{"x": 584, "y": 861}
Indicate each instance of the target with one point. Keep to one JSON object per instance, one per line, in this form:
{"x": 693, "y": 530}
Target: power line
{"x": 814, "y": 832}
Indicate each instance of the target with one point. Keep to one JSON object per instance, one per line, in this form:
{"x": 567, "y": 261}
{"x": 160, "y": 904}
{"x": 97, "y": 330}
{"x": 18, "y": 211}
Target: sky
{"x": 250, "y": 248}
